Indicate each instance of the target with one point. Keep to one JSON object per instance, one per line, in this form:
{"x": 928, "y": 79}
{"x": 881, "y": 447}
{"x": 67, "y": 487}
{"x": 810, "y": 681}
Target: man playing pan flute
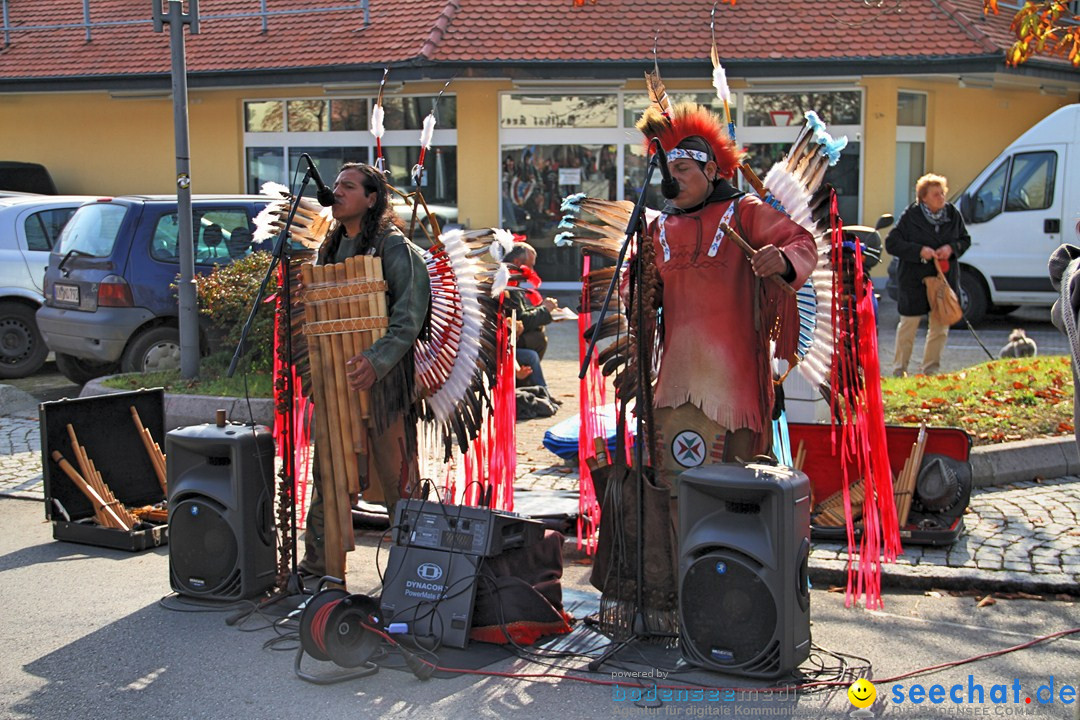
{"x": 367, "y": 225}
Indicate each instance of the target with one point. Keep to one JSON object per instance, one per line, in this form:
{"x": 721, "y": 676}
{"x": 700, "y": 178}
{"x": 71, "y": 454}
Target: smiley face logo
{"x": 862, "y": 693}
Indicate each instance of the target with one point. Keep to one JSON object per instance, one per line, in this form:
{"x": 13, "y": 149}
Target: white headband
{"x": 679, "y": 153}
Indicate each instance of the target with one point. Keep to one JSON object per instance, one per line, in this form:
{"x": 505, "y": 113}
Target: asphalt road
{"x": 91, "y": 632}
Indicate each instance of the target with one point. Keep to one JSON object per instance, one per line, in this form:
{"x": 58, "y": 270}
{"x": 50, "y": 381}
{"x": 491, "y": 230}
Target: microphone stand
{"x": 281, "y": 255}
{"x": 638, "y": 630}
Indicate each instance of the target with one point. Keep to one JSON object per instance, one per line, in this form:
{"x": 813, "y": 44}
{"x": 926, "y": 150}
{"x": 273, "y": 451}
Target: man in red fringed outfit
{"x": 713, "y": 396}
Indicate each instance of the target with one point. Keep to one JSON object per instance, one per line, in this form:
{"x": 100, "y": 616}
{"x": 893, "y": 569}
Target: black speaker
{"x": 744, "y": 543}
{"x": 221, "y": 532}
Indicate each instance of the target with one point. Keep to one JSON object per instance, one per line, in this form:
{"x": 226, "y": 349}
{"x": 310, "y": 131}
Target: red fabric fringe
{"x": 298, "y": 436}
{"x": 859, "y": 436}
{"x": 492, "y": 461}
{"x": 591, "y": 391}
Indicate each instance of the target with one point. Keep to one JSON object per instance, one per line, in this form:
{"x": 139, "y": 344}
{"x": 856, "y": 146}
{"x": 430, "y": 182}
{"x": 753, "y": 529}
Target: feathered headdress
{"x": 680, "y": 127}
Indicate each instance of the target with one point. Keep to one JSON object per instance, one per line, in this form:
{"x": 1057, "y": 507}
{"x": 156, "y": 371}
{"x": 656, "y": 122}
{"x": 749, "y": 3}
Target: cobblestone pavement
{"x": 1022, "y": 536}
{"x": 20, "y": 457}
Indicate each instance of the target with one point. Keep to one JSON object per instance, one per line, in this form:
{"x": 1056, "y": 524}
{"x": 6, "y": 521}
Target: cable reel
{"x": 332, "y": 630}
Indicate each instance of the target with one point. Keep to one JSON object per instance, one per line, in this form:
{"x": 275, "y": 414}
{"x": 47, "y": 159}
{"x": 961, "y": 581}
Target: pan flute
{"x": 344, "y": 314}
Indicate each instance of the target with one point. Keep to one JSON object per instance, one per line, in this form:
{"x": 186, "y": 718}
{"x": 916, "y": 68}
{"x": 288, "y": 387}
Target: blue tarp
{"x": 562, "y": 439}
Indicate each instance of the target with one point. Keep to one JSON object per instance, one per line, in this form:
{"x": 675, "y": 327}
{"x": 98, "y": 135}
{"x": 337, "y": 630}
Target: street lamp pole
{"x": 189, "y": 304}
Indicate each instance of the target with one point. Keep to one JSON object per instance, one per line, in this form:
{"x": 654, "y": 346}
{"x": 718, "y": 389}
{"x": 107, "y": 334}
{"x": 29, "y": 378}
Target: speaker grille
{"x": 729, "y": 615}
{"x": 203, "y": 552}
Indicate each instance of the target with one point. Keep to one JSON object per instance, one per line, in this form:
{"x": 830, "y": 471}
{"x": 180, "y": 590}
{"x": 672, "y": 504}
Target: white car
{"x": 29, "y": 226}
{"x": 445, "y": 215}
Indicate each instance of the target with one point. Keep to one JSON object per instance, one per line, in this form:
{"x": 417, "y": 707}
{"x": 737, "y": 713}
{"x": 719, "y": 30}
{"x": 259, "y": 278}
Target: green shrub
{"x": 225, "y": 298}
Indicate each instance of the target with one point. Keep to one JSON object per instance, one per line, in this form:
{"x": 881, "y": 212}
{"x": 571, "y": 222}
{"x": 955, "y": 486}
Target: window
{"x": 911, "y": 109}
{"x": 327, "y": 159}
{"x": 844, "y": 176}
{"x": 787, "y": 108}
{"x": 266, "y": 116}
{"x": 220, "y": 235}
{"x": 552, "y": 145}
{"x": 334, "y": 131}
{"x": 559, "y": 111}
{"x": 634, "y": 105}
{"x": 408, "y": 113}
{"x": 535, "y": 179}
{"x": 990, "y": 194}
{"x": 92, "y": 230}
{"x": 43, "y": 228}
{"x": 1031, "y": 185}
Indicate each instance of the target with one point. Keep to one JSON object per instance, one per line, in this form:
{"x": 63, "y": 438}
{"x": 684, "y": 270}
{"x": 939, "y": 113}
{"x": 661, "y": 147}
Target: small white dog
{"x": 1019, "y": 345}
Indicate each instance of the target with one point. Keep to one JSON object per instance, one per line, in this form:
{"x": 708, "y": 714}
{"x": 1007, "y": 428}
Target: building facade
{"x": 541, "y": 100}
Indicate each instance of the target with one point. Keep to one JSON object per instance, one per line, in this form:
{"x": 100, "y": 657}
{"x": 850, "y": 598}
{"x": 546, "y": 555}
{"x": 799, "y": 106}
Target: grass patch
{"x": 212, "y": 380}
{"x": 997, "y": 401}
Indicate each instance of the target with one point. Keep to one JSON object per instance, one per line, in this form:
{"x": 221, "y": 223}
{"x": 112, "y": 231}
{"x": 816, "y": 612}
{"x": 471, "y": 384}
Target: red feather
{"x": 692, "y": 119}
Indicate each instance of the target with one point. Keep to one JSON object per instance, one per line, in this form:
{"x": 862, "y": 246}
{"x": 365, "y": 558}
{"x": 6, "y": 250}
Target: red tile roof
{"x": 429, "y": 33}
{"x": 398, "y": 32}
{"x": 750, "y": 30}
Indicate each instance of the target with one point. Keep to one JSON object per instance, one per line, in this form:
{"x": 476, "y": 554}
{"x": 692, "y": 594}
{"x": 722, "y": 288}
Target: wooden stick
{"x": 753, "y": 180}
{"x": 750, "y": 252}
{"x": 905, "y": 486}
{"x": 350, "y": 412}
{"x": 374, "y": 265}
{"x": 831, "y": 509}
{"x": 800, "y": 455}
{"x": 358, "y": 343}
{"x": 105, "y": 512}
{"x": 333, "y": 549}
{"x": 157, "y": 459}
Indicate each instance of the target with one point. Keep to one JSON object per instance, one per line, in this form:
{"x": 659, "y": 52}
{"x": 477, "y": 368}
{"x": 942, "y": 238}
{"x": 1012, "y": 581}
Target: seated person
{"x": 212, "y": 238}
{"x": 528, "y": 368}
{"x": 239, "y": 242}
{"x": 532, "y": 312}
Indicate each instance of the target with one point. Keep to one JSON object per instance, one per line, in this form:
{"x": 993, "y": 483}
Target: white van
{"x": 1018, "y": 210}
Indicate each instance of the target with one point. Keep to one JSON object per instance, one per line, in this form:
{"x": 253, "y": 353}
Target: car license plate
{"x": 66, "y": 294}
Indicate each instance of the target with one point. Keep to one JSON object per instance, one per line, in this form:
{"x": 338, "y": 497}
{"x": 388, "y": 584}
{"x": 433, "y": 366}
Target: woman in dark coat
{"x": 930, "y": 228}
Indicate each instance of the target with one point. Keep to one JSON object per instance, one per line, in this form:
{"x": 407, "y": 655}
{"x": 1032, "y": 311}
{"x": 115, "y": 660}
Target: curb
{"x": 184, "y": 410}
{"x": 1024, "y": 460}
{"x": 990, "y": 464}
{"x": 833, "y": 573}
{"x": 14, "y": 401}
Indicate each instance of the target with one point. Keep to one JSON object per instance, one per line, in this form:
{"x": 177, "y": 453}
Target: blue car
{"x": 110, "y": 298}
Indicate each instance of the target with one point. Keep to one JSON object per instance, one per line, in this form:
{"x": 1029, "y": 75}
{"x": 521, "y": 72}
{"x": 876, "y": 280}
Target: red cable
{"x": 803, "y": 686}
{"x": 318, "y": 625}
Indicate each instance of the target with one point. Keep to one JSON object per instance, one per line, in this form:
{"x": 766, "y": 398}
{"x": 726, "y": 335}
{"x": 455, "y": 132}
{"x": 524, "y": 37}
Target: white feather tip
{"x": 428, "y": 131}
{"x": 719, "y": 81}
{"x": 502, "y": 279}
{"x": 378, "y": 126}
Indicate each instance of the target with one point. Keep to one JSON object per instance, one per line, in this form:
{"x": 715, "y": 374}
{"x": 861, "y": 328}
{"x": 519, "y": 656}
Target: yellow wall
{"x": 93, "y": 143}
{"x": 878, "y": 148}
{"x": 478, "y": 151}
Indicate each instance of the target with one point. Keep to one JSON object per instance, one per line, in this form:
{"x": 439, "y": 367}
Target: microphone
{"x": 669, "y": 186}
{"x": 324, "y": 194}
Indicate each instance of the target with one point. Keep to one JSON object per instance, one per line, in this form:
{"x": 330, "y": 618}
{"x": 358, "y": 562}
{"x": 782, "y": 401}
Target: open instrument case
{"x": 823, "y": 469}
{"x": 106, "y": 429}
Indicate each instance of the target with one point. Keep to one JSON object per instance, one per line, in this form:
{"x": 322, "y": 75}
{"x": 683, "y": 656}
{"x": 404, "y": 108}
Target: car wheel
{"x": 81, "y": 371}
{"x": 973, "y": 298}
{"x": 22, "y": 349}
{"x": 154, "y": 350}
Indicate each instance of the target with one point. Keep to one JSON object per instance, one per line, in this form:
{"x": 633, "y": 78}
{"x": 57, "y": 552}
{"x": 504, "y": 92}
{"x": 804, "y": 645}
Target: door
{"x": 39, "y": 230}
{"x": 1016, "y": 222}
